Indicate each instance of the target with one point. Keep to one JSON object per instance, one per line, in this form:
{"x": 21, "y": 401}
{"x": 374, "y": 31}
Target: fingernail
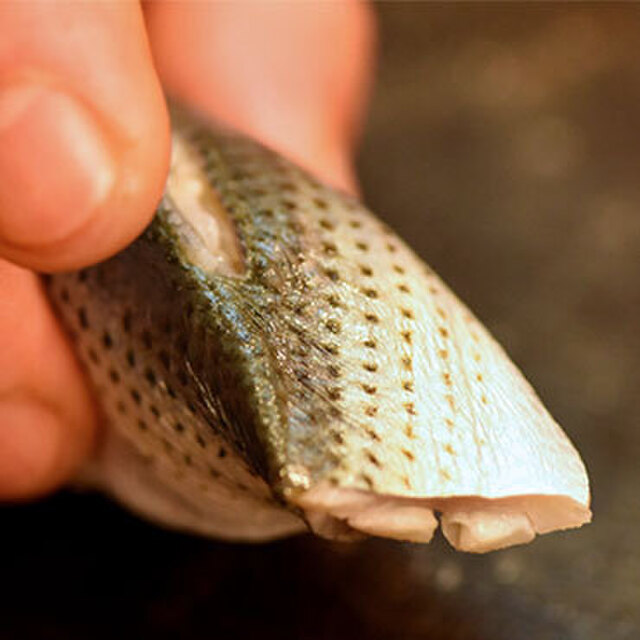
{"x": 31, "y": 449}
{"x": 55, "y": 165}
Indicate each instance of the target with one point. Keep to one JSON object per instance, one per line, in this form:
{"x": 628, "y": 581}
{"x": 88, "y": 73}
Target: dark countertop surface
{"x": 504, "y": 143}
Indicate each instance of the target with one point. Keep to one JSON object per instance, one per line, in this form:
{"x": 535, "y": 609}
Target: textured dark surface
{"x": 504, "y": 144}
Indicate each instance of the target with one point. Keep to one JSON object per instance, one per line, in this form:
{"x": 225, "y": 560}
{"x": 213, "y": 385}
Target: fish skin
{"x": 322, "y": 353}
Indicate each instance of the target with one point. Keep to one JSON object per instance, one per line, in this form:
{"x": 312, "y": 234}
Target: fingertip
{"x": 38, "y": 452}
{"x": 294, "y": 75}
{"x": 84, "y": 133}
{"x": 48, "y": 422}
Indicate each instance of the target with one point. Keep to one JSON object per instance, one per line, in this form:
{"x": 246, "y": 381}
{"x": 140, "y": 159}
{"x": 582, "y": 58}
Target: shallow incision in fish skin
{"x": 331, "y": 362}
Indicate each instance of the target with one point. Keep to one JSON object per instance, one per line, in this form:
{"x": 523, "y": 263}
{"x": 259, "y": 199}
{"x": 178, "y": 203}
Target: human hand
{"x": 84, "y": 150}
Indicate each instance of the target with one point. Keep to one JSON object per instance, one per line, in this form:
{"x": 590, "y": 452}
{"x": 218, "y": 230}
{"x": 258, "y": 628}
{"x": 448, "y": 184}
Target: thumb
{"x": 83, "y": 132}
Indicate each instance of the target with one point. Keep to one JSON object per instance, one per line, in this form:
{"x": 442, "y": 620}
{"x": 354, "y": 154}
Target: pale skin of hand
{"x": 84, "y": 151}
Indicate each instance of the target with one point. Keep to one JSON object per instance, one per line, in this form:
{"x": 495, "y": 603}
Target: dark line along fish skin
{"x": 269, "y": 353}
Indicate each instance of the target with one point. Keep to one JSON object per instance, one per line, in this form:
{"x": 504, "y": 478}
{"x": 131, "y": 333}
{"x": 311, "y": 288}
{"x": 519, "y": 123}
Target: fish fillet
{"x": 270, "y": 357}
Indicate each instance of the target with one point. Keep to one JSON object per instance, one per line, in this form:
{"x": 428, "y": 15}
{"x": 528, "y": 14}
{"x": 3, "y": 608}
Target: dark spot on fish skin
{"x": 146, "y": 339}
{"x": 370, "y": 293}
{"x": 365, "y": 270}
{"x": 446, "y": 376}
{"x": 370, "y": 344}
{"x": 331, "y": 349}
{"x": 370, "y": 366}
{"x": 371, "y": 317}
{"x": 372, "y": 459}
{"x": 183, "y": 378}
{"x": 391, "y": 247}
{"x": 142, "y": 425}
{"x": 433, "y": 290}
{"x": 408, "y": 455}
{"x": 404, "y": 288}
{"x": 355, "y": 224}
{"x": 333, "y": 325}
{"x": 329, "y": 249}
{"x": 371, "y": 411}
{"x": 451, "y": 401}
{"x": 408, "y": 431}
{"x": 449, "y": 422}
{"x": 334, "y": 301}
{"x": 126, "y": 321}
{"x": 445, "y": 474}
{"x": 290, "y": 205}
{"x": 373, "y": 435}
{"x": 214, "y": 473}
{"x": 407, "y": 313}
{"x": 335, "y": 412}
{"x": 410, "y": 408}
{"x": 443, "y": 353}
{"x": 171, "y": 392}
{"x": 114, "y": 376}
{"x": 93, "y": 356}
{"x": 121, "y": 407}
{"x": 449, "y": 449}
{"x": 64, "y": 294}
{"x": 484, "y": 400}
{"x": 201, "y": 441}
{"x": 321, "y": 203}
{"x": 363, "y": 246}
{"x": 135, "y": 396}
{"x": 367, "y": 479}
{"x": 406, "y": 335}
{"x": 407, "y": 385}
{"x": 131, "y": 358}
{"x": 441, "y": 312}
{"x": 179, "y": 427}
{"x": 398, "y": 269}
{"x": 406, "y": 482}
{"x": 337, "y": 437}
{"x": 407, "y": 363}
{"x": 164, "y": 359}
{"x": 83, "y": 274}
{"x": 83, "y": 318}
{"x": 332, "y": 274}
{"x": 333, "y": 371}
{"x": 187, "y": 459}
{"x": 334, "y": 394}
{"x": 150, "y": 376}
{"x": 479, "y": 377}
{"x": 222, "y": 452}
{"x": 443, "y": 332}
{"x": 370, "y": 389}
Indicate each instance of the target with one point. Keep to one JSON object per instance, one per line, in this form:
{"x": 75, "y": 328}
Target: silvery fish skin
{"x": 269, "y": 356}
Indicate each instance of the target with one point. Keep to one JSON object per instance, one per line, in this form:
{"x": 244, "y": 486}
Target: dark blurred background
{"x": 504, "y": 143}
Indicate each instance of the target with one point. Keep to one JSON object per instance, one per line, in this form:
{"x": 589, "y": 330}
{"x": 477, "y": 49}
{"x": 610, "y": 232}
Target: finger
{"x": 83, "y": 131}
{"x": 46, "y": 417}
{"x": 294, "y": 75}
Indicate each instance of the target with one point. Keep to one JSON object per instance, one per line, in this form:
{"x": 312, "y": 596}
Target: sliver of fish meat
{"x": 269, "y": 356}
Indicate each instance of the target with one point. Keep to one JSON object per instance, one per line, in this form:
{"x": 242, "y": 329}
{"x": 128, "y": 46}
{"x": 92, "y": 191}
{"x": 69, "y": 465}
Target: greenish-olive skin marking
{"x": 247, "y": 340}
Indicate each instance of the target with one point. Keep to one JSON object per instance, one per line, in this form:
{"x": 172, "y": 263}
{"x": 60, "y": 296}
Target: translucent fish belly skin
{"x": 270, "y": 335}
